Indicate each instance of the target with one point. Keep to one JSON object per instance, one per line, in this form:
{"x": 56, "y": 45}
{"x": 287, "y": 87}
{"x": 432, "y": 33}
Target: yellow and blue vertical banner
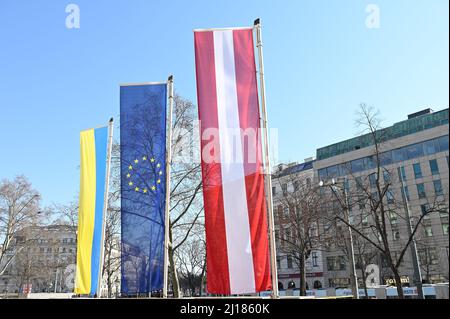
{"x": 94, "y": 144}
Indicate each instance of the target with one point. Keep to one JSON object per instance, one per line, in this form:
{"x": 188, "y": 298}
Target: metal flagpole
{"x": 168, "y": 163}
{"x": 413, "y": 247}
{"x": 105, "y": 206}
{"x": 273, "y": 253}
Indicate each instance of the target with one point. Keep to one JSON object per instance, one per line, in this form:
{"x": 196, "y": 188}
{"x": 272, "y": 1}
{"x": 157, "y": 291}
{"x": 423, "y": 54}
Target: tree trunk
{"x": 201, "y": 279}
{"x": 302, "y": 276}
{"x": 398, "y": 283}
{"x": 363, "y": 271}
{"x": 173, "y": 269}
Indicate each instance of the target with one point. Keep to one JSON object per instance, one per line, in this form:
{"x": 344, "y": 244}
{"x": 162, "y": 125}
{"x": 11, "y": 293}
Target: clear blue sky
{"x": 321, "y": 61}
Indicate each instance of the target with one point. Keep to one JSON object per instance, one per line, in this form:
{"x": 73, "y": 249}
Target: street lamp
{"x": 345, "y": 207}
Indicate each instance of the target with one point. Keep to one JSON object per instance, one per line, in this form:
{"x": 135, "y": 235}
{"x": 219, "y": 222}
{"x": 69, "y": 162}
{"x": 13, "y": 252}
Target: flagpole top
{"x": 170, "y": 79}
{"x": 257, "y": 22}
{"x": 111, "y": 120}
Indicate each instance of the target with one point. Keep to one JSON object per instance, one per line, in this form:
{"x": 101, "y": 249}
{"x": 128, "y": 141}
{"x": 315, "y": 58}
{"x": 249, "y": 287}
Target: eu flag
{"x": 143, "y": 182}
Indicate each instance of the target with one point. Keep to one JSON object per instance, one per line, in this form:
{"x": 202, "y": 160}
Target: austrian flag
{"x": 237, "y": 244}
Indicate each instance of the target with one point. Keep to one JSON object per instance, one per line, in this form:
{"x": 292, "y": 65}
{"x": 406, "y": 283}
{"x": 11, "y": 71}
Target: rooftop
{"x": 416, "y": 122}
{"x": 295, "y": 168}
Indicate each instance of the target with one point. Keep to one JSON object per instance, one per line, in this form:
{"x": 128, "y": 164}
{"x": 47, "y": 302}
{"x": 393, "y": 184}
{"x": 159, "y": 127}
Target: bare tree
{"x": 191, "y": 261}
{"x": 19, "y": 208}
{"x": 298, "y": 217}
{"x": 186, "y": 206}
{"x": 384, "y": 203}
{"x": 111, "y": 265}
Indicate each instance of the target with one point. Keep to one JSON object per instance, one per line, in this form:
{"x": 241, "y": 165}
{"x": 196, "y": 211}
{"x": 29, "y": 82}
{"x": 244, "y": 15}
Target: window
{"x": 373, "y": 180}
{"x": 414, "y": 151}
{"x": 386, "y": 158}
{"x": 280, "y": 211}
{"x": 375, "y": 197}
{"x": 41, "y": 249}
{"x": 396, "y": 234}
{"x": 336, "y": 263}
{"x": 386, "y": 177}
{"x": 289, "y": 262}
{"x": 314, "y": 258}
{"x": 362, "y": 202}
{"x": 406, "y": 193}
{"x": 443, "y": 143}
{"x": 308, "y": 182}
{"x": 357, "y": 165}
{"x": 332, "y": 171}
{"x": 401, "y": 173}
{"x": 390, "y": 197}
{"x": 445, "y": 228}
{"x": 64, "y": 241}
{"x": 287, "y": 233}
{"x": 278, "y": 263}
{"x": 434, "y": 167}
{"x": 421, "y": 190}
{"x": 444, "y": 217}
{"x": 430, "y": 147}
{"x": 347, "y": 185}
{"x": 417, "y": 170}
{"x": 284, "y": 188}
{"x": 424, "y": 208}
{"x": 438, "y": 187}
{"x": 428, "y": 231}
{"x": 393, "y": 218}
{"x": 296, "y": 186}
{"x": 371, "y": 162}
{"x": 399, "y": 155}
{"x": 286, "y": 211}
{"x": 359, "y": 183}
{"x": 322, "y": 173}
{"x": 274, "y": 190}
{"x": 365, "y": 220}
{"x": 428, "y": 256}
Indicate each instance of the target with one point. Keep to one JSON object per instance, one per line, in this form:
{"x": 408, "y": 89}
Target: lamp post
{"x": 345, "y": 207}
{"x": 413, "y": 247}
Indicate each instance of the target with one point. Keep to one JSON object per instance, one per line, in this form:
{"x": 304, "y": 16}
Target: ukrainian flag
{"x": 93, "y": 144}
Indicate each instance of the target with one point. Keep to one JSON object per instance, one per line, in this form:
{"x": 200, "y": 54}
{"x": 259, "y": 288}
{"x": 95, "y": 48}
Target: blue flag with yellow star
{"x": 143, "y": 183}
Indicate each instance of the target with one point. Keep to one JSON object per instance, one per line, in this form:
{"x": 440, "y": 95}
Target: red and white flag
{"x": 237, "y": 244}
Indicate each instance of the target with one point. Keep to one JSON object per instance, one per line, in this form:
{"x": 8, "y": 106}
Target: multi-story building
{"x": 288, "y": 181}
{"x": 43, "y": 260}
{"x": 413, "y": 153}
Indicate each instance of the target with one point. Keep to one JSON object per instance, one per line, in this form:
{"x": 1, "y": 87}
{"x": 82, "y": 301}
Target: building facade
{"x": 290, "y": 181}
{"x": 43, "y": 260}
{"x": 414, "y": 156}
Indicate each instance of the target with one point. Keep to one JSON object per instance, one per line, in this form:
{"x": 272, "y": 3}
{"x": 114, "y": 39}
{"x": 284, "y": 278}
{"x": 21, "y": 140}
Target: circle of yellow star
{"x": 152, "y": 160}
{"x": 136, "y": 161}
{"x": 137, "y": 189}
{"x": 144, "y": 158}
{"x": 130, "y": 167}
{"x": 158, "y": 181}
{"x": 128, "y": 175}
{"x": 144, "y": 190}
{"x": 130, "y": 183}
{"x": 158, "y": 165}
{"x": 160, "y": 172}
{"x": 153, "y": 188}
